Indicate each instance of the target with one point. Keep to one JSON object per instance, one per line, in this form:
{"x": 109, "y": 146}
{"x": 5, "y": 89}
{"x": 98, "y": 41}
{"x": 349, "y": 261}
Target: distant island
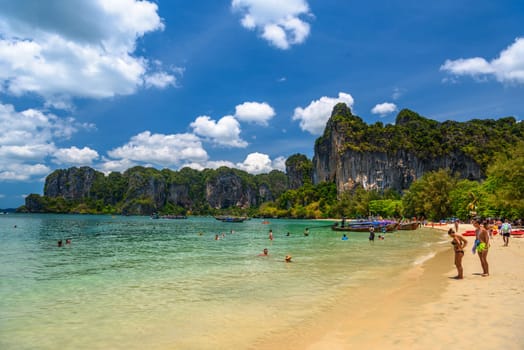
{"x": 350, "y": 157}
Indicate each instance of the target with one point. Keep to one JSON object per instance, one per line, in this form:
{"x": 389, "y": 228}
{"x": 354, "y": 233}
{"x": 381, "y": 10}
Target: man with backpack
{"x": 505, "y": 229}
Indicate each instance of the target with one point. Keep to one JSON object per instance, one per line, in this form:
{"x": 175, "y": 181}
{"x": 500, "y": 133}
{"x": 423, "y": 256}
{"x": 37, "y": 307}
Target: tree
{"x": 505, "y": 183}
{"x": 430, "y": 196}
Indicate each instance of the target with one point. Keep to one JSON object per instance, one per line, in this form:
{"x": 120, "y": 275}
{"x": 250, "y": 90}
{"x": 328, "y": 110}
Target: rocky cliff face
{"x": 299, "y": 170}
{"x": 72, "y": 183}
{"x": 397, "y": 169}
{"x": 228, "y": 190}
{"x": 144, "y": 191}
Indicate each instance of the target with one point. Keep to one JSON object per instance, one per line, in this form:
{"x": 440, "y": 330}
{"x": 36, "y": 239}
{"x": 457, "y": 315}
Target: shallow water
{"x": 135, "y": 283}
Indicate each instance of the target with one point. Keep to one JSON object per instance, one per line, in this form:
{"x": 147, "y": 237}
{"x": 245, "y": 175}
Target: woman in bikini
{"x": 459, "y": 243}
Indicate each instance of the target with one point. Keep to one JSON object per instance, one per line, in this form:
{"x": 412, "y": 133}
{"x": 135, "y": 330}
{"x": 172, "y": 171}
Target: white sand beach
{"x": 427, "y": 309}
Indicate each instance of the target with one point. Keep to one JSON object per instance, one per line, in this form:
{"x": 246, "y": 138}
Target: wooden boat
{"x": 408, "y": 226}
{"x": 364, "y": 227}
{"x": 171, "y": 217}
{"x": 231, "y": 218}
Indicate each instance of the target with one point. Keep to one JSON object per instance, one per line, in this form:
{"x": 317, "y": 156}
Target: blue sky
{"x": 241, "y": 83}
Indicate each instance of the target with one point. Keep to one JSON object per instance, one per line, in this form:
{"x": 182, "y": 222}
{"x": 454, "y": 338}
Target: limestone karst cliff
{"x": 351, "y": 152}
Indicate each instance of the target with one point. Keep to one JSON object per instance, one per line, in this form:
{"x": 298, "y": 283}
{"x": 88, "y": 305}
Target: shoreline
{"x": 424, "y": 308}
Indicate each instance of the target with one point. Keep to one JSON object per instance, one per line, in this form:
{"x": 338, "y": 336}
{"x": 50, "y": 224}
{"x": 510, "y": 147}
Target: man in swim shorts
{"x": 506, "y": 232}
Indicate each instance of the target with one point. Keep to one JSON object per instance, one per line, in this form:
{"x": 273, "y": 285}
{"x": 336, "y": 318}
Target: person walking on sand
{"x": 459, "y": 243}
{"x": 483, "y": 246}
{"x": 506, "y": 232}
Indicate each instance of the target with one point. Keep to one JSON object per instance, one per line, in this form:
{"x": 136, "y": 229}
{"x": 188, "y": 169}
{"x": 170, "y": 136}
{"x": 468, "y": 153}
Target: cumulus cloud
{"x": 384, "y": 108}
{"x": 314, "y": 117}
{"x": 75, "y": 156}
{"x": 28, "y": 139}
{"x": 507, "y": 68}
{"x": 115, "y": 165}
{"x": 278, "y": 22}
{"x": 22, "y": 172}
{"x": 224, "y": 132}
{"x": 279, "y": 163}
{"x": 157, "y": 149}
{"x": 256, "y": 163}
{"x": 255, "y": 112}
{"x": 259, "y": 163}
{"x": 64, "y": 49}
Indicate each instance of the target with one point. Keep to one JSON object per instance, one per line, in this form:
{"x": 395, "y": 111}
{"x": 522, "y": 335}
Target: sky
{"x": 237, "y": 83}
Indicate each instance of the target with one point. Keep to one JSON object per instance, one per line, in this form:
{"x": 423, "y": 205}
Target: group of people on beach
{"x": 480, "y": 247}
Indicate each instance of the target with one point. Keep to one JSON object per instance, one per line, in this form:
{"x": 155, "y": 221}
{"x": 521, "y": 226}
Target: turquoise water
{"x": 136, "y": 283}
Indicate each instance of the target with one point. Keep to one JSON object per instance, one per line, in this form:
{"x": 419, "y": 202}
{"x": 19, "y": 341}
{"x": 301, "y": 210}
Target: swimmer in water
{"x": 265, "y": 252}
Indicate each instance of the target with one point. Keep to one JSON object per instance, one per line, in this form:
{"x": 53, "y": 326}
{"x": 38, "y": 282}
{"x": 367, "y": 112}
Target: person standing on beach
{"x": 506, "y": 232}
{"x": 483, "y": 246}
{"x": 459, "y": 243}
{"x": 456, "y": 226}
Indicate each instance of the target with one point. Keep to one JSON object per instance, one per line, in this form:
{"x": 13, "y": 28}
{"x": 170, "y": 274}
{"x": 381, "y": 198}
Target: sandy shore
{"x": 427, "y": 309}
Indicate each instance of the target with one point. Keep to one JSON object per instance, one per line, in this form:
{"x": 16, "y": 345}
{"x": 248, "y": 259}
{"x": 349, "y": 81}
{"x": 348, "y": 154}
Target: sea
{"x": 140, "y": 283}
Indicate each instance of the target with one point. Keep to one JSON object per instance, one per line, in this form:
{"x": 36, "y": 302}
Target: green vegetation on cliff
{"x": 479, "y": 139}
{"x": 494, "y": 145}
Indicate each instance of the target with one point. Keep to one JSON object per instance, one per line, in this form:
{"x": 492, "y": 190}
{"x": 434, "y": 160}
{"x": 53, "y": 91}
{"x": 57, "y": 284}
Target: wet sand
{"x": 425, "y": 308}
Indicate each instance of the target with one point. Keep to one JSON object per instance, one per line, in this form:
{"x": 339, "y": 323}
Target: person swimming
{"x": 288, "y": 258}
{"x": 265, "y": 252}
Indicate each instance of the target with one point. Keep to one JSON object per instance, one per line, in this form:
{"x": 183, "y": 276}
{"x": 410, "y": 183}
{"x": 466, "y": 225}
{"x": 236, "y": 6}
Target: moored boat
{"x": 231, "y": 218}
{"x": 408, "y": 226}
{"x": 171, "y": 217}
{"x": 364, "y": 227}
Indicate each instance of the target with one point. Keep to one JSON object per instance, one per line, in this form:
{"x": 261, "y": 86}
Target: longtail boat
{"x": 408, "y": 226}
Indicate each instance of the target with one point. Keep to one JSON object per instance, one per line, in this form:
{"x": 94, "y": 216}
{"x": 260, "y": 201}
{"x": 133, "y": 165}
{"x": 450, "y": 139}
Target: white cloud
{"x": 27, "y": 140}
{"x": 256, "y": 163}
{"x": 279, "y": 163}
{"x": 22, "y": 172}
{"x": 397, "y": 93}
{"x": 277, "y": 21}
{"x": 110, "y": 165}
{"x": 224, "y": 132}
{"x": 77, "y": 49}
{"x": 314, "y": 117}
{"x": 259, "y": 163}
{"x": 160, "y": 80}
{"x": 75, "y": 156}
{"x": 384, "y": 108}
{"x": 158, "y": 149}
{"x": 255, "y": 112}
{"x": 507, "y": 68}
